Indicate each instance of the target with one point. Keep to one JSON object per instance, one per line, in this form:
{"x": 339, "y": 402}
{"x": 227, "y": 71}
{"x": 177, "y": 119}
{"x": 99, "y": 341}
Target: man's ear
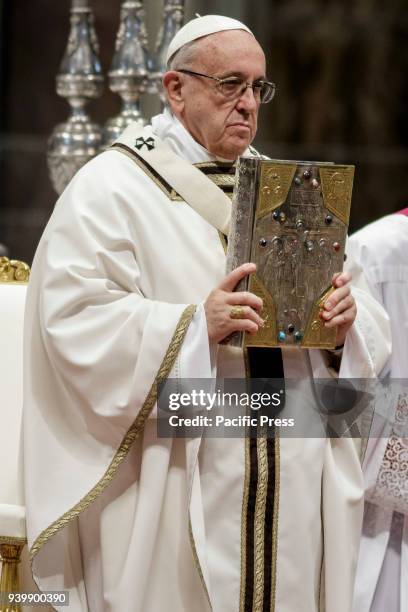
{"x": 172, "y": 83}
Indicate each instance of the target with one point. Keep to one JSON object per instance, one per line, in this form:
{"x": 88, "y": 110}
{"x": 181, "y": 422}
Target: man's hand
{"x": 228, "y": 311}
{"x": 340, "y": 308}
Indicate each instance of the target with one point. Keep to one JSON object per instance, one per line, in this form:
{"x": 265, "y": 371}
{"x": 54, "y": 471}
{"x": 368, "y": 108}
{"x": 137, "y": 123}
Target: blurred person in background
{"x": 382, "y": 576}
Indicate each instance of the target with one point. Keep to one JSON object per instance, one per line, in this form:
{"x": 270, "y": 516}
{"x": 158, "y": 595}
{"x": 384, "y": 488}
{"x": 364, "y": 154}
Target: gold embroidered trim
{"x": 275, "y": 523}
{"x": 225, "y": 182}
{"x": 222, "y": 180}
{"x": 170, "y": 193}
{"x": 246, "y": 365}
{"x": 214, "y": 164}
{"x": 197, "y": 560}
{"x": 174, "y": 196}
{"x": 245, "y": 498}
{"x": 157, "y": 179}
{"x": 127, "y": 442}
{"x": 223, "y": 241}
{"x": 259, "y": 524}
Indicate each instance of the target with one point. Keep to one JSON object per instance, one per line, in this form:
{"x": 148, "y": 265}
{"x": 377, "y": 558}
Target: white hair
{"x": 184, "y": 57}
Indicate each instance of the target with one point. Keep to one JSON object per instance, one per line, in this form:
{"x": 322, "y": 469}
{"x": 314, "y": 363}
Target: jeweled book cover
{"x": 291, "y": 219}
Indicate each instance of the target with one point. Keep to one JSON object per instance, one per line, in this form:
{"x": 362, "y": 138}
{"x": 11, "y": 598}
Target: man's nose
{"x": 247, "y": 100}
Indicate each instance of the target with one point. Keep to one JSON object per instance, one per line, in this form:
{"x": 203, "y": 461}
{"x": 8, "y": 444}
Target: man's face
{"x": 224, "y": 125}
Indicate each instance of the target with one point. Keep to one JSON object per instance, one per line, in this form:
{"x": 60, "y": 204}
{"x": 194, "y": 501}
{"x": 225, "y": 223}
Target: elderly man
{"x": 128, "y": 287}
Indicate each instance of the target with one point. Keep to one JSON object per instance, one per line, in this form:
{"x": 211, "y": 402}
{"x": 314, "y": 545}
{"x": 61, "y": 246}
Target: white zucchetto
{"x": 203, "y": 26}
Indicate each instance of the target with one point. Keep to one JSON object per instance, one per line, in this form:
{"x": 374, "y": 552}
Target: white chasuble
{"x": 124, "y": 520}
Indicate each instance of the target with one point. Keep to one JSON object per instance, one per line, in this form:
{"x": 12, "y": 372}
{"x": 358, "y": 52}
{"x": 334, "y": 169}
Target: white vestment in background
{"x": 382, "y": 577}
{"x": 123, "y": 519}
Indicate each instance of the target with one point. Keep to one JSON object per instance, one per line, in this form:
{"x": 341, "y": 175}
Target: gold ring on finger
{"x": 237, "y": 312}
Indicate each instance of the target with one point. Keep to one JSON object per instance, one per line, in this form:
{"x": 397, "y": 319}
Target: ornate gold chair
{"x": 13, "y": 283}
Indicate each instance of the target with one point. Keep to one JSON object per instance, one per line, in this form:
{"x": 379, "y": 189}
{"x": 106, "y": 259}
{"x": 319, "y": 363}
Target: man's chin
{"x": 232, "y": 150}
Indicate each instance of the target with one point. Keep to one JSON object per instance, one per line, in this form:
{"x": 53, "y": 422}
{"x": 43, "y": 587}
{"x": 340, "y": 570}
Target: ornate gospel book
{"x": 291, "y": 219}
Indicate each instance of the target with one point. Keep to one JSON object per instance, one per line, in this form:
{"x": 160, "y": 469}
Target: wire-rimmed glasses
{"x": 234, "y": 86}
